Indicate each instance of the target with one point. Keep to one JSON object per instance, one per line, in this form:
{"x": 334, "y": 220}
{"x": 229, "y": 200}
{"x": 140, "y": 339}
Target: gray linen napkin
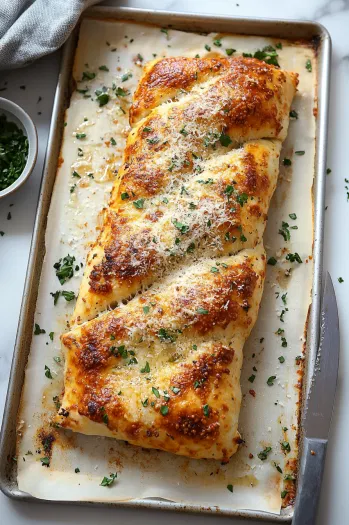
{"x": 30, "y": 29}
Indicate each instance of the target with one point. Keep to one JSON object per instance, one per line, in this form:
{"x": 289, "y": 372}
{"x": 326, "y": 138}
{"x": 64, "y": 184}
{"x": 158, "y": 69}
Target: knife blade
{"x": 318, "y": 411}
{"x": 319, "y": 404}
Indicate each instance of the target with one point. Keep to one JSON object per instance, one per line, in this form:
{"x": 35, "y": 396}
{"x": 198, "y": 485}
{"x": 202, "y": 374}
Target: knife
{"x": 318, "y": 411}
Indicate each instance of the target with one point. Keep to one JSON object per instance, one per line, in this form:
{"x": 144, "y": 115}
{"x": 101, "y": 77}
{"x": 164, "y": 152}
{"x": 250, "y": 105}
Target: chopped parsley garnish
{"x": 14, "y": 148}
{"x": 147, "y": 130}
{"x": 207, "y": 47}
{"x": 124, "y": 196}
{"x": 106, "y": 482}
{"x": 214, "y": 270}
{"x": 45, "y": 461}
{"x": 286, "y": 446}
{"x": 155, "y": 392}
{"x": 164, "y": 410}
{"x": 206, "y": 410}
{"x": 155, "y": 140}
{"x": 293, "y": 216}
{"x": 207, "y": 181}
{"x": 284, "y": 298}
{"x": 230, "y": 51}
{"x": 272, "y": 261}
{"x": 183, "y": 228}
{"x": 68, "y": 296}
{"x": 183, "y": 131}
{"x": 146, "y": 368}
{"x": 299, "y": 153}
{"x": 268, "y": 54}
{"x": 80, "y": 135}
{"x": 243, "y": 238}
{"x": 119, "y": 351}
{"x": 328, "y": 171}
{"x": 120, "y": 92}
{"x": 294, "y": 257}
{"x": 308, "y": 66}
{"x": 55, "y": 296}
{"x": 112, "y": 141}
{"x": 225, "y": 140}
{"x": 146, "y": 309}
{"x": 51, "y": 335}
{"x": 284, "y": 494}
{"x": 281, "y": 358}
{"x": 77, "y": 470}
{"x": 282, "y": 315}
{"x": 230, "y": 488}
{"x": 252, "y": 378}
{"x": 65, "y": 268}
{"x": 270, "y": 380}
{"x": 287, "y": 162}
{"x": 103, "y": 68}
{"x": 165, "y": 337}
{"x": 57, "y": 359}
{"x": 278, "y": 468}
{"x": 279, "y": 331}
{"x": 191, "y": 247}
{"x": 242, "y": 198}
{"x": 56, "y": 401}
{"x": 202, "y": 311}
{"x": 340, "y": 280}
{"x": 284, "y": 231}
{"x": 105, "y": 418}
{"x": 264, "y": 453}
{"x": 145, "y": 402}
{"x": 38, "y": 330}
{"x": 293, "y": 114}
{"x": 126, "y": 76}
{"x": 278, "y": 45}
{"x": 88, "y": 75}
{"x": 102, "y": 97}
{"x": 217, "y": 42}
{"x": 48, "y": 372}
{"x": 139, "y": 204}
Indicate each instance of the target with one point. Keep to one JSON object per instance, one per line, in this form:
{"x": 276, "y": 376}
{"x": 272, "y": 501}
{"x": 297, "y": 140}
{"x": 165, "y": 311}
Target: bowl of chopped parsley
{"x": 18, "y": 146}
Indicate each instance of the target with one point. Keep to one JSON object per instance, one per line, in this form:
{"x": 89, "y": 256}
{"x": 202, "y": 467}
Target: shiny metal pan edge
{"x": 286, "y": 29}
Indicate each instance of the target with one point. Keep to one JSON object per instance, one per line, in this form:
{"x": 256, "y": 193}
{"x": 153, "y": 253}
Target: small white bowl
{"x": 17, "y": 115}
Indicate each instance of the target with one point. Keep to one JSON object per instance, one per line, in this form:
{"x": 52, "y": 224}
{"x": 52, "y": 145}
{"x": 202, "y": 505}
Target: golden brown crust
{"x": 253, "y": 81}
{"x": 182, "y": 338}
{"x": 180, "y": 158}
{"x": 162, "y": 370}
{"x": 215, "y": 212}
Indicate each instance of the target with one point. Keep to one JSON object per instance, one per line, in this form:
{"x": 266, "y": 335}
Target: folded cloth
{"x": 30, "y": 29}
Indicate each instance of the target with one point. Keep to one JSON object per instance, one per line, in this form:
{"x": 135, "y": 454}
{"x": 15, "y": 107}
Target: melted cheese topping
{"x": 178, "y": 183}
{"x": 187, "y": 192}
{"x": 164, "y": 371}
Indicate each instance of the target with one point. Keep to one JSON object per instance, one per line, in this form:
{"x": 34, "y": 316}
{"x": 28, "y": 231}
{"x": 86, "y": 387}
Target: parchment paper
{"x": 123, "y": 48}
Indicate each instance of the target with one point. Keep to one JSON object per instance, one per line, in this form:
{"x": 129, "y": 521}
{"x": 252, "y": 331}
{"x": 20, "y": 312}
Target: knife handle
{"x": 310, "y": 478}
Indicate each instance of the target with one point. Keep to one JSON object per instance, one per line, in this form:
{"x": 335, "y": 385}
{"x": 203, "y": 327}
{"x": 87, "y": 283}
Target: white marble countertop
{"x": 40, "y": 80}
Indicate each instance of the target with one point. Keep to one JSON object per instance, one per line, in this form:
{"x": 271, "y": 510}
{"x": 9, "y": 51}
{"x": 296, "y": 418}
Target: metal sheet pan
{"x": 292, "y": 30}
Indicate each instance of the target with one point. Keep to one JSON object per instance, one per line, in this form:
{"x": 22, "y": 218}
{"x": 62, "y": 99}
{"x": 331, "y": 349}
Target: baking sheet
{"x": 257, "y": 484}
